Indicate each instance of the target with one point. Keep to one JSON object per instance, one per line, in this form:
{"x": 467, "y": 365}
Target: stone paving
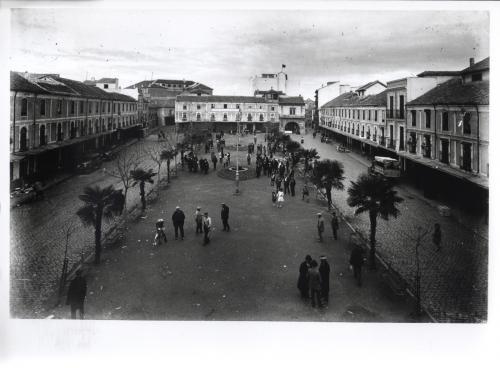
{"x": 248, "y": 274}
{"x": 454, "y": 280}
{"x": 38, "y": 238}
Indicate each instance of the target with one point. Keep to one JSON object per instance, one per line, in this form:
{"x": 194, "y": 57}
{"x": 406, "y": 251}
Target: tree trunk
{"x": 373, "y": 230}
{"x": 97, "y": 235}
{"x": 143, "y": 196}
{"x": 159, "y": 178}
{"x": 168, "y": 171}
{"x": 125, "y": 201}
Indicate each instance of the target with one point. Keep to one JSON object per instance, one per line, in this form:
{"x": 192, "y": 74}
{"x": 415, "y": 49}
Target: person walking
{"x": 335, "y": 224}
{"x": 281, "y": 198}
{"x": 292, "y": 186}
{"x": 303, "y": 281}
{"x": 274, "y": 197}
{"x": 279, "y": 180}
{"x": 315, "y": 284}
{"x": 198, "y": 218}
{"x": 324, "y": 272}
{"x": 321, "y": 226}
{"x": 305, "y": 192}
{"x": 249, "y": 158}
{"x": 76, "y": 294}
{"x": 178, "y": 221}
{"x": 160, "y": 233}
{"x": 207, "y": 226}
{"x": 221, "y": 157}
{"x": 286, "y": 184}
{"x": 224, "y": 215}
{"x": 436, "y": 236}
{"x": 214, "y": 160}
{"x": 356, "y": 261}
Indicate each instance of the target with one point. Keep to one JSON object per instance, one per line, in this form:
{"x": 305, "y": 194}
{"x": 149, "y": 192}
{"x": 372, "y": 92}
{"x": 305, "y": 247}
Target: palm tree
{"x": 294, "y": 147}
{"x": 168, "y": 155}
{"x": 375, "y": 195}
{"x": 99, "y": 203}
{"x": 140, "y": 176}
{"x": 328, "y": 174}
{"x": 308, "y": 154}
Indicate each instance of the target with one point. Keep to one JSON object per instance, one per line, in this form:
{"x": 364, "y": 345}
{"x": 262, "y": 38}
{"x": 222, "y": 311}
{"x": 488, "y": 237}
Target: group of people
{"x": 314, "y": 281}
{"x": 202, "y": 220}
{"x": 334, "y": 223}
{"x": 194, "y": 164}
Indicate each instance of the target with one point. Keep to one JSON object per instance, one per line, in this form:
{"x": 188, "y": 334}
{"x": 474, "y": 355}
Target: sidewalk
{"x": 247, "y": 274}
{"x": 454, "y": 280}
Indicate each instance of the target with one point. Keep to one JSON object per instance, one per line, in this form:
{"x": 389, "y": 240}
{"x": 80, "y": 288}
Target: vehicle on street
{"x": 342, "y": 148}
{"x": 385, "y": 166}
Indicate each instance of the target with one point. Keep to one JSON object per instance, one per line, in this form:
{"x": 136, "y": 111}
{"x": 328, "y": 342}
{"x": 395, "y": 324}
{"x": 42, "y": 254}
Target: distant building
{"x": 156, "y": 98}
{"x": 55, "y": 122}
{"x": 275, "y": 81}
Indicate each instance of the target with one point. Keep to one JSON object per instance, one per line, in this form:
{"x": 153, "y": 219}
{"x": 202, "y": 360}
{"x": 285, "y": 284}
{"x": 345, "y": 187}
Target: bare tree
{"x": 164, "y": 150}
{"x": 123, "y": 165}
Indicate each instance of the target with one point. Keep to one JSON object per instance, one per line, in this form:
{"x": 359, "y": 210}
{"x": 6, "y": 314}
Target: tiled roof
{"x": 158, "y": 84}
{"x": 482, "y": 65}
{"x": 380, "y": 99}
{"x": 62, "y": 86}
{"x": 107, "y": 80}
{"x": 229, "y": 99}
{"x": 368, "y": 85}
{"x": 437, "y": 73}
{"x": 455, "y": 92}
{"x": 293, "y": 100}
{"x": 18, "y": 83}
{"x": 258, "y": 92}
{"x": 345, "y": 99}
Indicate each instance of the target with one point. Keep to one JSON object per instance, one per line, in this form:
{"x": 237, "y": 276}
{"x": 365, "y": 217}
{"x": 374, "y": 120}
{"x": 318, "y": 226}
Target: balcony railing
{"x": 395, "y": 114}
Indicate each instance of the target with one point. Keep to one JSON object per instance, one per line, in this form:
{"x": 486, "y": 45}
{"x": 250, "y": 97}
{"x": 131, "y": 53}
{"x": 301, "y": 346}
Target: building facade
{"x": 55, "y": 122}
{"x": 156, "y": 99}
{"x": 275, "y": 81}
{"x": 448, "y": 131}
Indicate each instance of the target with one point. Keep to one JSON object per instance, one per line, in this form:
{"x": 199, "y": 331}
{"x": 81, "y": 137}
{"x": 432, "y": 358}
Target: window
{"x": 477, "y": 77}
{"x": 89, "y": 105}
{"x": 184, "y": 118}
{"x": 260, "y": 107}
{"x": 212, "y": 106}
{"x": 212, "y": 117}
{"x": 363, "y": 114}
{"x": 427, "y": 118}
{"x": 198, "y": 107}
{"x": 224, "y": 118}
{"x": 413, "y": 118}
{"x": 184, "y": 107}
{"x": 444, "y": 123}
{"x": 59, "y": 107}
{"x": 72, "y": 107}
{"x": 358, "y": 114}
{"x": 466, "y": 121}
{"x": 249, "y": 117}
{"x": 292, "y": 110}
{"x": 272, "y": 108}
{"x": 237, "y": 106}
{"x": 80, "y": 107}
{"x": 261, "y": 117}
{"x": 42, "y": 107}
{"x": 369, "y": 114}
{"x": 24, "y": 107}
{"x": 198, "y": 117}
{"x": 376, "y": 115}
{"x": 225, "y": 106}
{"x": 106, "y": 86}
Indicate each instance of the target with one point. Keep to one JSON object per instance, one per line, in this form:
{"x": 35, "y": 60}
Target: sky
{"x": 225, "y": 48}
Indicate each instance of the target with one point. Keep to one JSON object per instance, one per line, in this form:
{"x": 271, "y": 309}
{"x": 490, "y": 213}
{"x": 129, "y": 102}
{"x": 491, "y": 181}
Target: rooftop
{"x": 370, "y": 84}
{"x": 216, "y": 98}
{"x": 54, "y": 84}
{"x": 438, "y": 73}
{"x": 455, "y": 92}
{"x": 480, "y": 66}
{"x": 292, "y": 100}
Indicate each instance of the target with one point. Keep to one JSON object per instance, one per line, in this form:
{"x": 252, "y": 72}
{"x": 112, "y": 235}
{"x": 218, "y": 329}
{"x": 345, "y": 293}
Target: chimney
{"x": 471, "y": 61}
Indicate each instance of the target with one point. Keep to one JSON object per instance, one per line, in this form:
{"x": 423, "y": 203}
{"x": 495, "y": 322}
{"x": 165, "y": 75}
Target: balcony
{"x": 382, "y": 141}
{"x": 426, "y": 151}
{"x": 391, "y": 144}
{"x": 395, "y": 114}
{"x": 444, "y": 158}
{"x": 412, "y": 148}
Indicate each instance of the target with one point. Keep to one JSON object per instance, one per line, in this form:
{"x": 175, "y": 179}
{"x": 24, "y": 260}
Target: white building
{"x": 265, "y": 82}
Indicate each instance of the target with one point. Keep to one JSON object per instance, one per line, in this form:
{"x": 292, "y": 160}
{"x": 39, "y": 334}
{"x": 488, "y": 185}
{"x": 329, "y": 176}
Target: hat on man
{"x": 206, "y": 213}
{"x": 323, "y": 258}
{"x": 177, "y": 207}
{"x": 198, "y": 208}
{"x": 319, "y": 213}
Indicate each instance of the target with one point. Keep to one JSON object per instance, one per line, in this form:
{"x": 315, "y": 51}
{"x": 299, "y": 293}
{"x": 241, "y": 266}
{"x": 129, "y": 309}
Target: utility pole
{"x": 238, "y": 118}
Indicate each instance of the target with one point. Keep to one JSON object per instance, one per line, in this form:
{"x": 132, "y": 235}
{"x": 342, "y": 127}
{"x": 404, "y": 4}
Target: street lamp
{"x": 238, "y": 118}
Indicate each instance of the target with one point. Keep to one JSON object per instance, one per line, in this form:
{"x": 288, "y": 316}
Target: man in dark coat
{"x": 303, "y": 282}
{"x": 224, "y": 215}
{"x": 335, "y": 225}
{"x": 286, "y": 184}
{"x": 315, "y": 284}
{"x": 178, "y": 221}
{"x": 356, "y": 261}
{"x": 76, "y": 294}
{"x": 214, "y": 160}
{"x": 324, "y": 272}
{"x": 292, "y": 186}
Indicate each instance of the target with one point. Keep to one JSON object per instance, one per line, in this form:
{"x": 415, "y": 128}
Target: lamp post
{"x": 238, "y": 118}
